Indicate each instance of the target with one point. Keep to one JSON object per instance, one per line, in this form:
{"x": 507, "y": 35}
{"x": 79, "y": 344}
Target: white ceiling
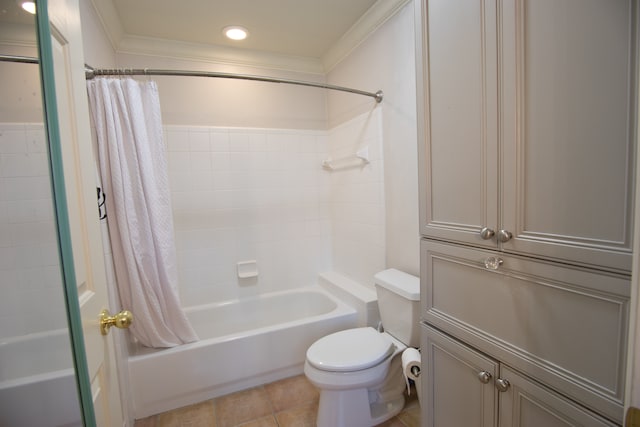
{"x": 305, "y": 35}
{"x": 290, "y": 27}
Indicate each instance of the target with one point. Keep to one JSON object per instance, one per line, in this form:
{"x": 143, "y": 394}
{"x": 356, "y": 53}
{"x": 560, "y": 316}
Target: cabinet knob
{"x": 502, "y": 385}
{"x": 486, "y": 233}
{"x": 493, "y": 263}
{"x": 484, "y": 377}
{"x": 504, "y": 236}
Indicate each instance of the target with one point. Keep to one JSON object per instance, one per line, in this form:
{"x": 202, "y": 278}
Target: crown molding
{"x": 20, "y": 35}
{"x": 124, "y": 43}
{"x": 216, "y": 53}
{"x": 377, "y": 15}
{"x": 110, "y": 21}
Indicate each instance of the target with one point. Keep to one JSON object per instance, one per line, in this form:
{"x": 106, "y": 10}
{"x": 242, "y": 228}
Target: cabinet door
{"x": 457, "y": 383}
{"x": 567, "y": 114}
{"x": 527, "y": 404}
{"x": 564, "y": 326}
{"x": 457, "y": 116}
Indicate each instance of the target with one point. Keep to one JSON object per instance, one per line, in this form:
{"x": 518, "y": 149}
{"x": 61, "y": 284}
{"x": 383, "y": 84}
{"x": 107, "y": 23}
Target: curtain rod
{"x": 17, "y": 58}
{"x": 91, "y": 73}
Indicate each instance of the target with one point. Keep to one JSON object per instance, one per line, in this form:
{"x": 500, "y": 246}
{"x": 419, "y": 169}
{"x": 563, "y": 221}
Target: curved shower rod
{"x": 92, "y": 72}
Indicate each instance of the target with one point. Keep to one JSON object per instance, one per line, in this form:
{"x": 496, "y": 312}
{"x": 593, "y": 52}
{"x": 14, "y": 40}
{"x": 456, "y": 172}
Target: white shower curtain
{"x": 133, "y": 169}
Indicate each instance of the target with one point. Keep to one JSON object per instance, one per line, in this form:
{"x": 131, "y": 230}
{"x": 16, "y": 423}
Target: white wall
{"x": 358, "y": 199}
{"x": 98, "y": 52}
{"x": 234, "y": 103}
{"x": 20, "y": 99}
{"x": 386, "y": 61}
{"x": 243, "y": 194}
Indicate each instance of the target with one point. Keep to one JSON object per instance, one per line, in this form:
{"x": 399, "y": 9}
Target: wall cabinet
{"x": 563, "y": 325}
{"x": 527, "y": 126}
{"x": 489, "y": 394}
{"x": 527, "y": 115}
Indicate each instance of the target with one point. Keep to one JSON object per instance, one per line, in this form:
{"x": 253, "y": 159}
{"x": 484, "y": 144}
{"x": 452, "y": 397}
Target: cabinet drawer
{"x": 565, "y": 326}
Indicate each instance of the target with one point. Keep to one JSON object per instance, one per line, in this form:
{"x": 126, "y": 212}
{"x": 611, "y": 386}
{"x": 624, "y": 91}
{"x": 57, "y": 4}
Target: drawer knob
{"x": 493, "y": 263}
{"x": 502, "y": 385}
{"x": 504, "y": 236}
{"x": 486, "y": 233}
{"x": 484, "y": 377}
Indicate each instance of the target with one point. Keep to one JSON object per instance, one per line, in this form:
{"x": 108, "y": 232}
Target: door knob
{"x": 121, "y": 320}
{"x": 484, "y": 377}
{"x": 504, "y": 236}
{"x": 486, "y": 233}
{"x": 502, "y": 385}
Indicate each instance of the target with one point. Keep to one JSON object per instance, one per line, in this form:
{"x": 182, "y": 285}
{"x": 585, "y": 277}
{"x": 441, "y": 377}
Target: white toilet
{"x": 359, "y": 371}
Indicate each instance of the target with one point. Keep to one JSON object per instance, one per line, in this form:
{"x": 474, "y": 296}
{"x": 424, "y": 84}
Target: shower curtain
{"x": 133, "y": 169}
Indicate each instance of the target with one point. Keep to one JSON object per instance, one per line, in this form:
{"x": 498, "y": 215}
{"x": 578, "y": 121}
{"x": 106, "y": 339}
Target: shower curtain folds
{"x": 133, "y": 170}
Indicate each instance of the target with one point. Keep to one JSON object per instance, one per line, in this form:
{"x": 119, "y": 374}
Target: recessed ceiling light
{"x": 29, "y": 6}
{"x": 235, "y": 32}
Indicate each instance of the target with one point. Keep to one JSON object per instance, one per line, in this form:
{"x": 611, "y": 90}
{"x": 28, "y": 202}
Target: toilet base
{"x": 363, "y": 407}
{"x": 351, "y": 408}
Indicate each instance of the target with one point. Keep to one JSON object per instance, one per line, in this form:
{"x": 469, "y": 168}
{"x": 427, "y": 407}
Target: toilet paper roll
{"x": 411, "y": 365}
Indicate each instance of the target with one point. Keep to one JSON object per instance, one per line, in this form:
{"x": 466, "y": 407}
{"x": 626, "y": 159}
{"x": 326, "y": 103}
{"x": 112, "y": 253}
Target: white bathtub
{"x": 242, "y": 344}
{"x": 37, "y": 381}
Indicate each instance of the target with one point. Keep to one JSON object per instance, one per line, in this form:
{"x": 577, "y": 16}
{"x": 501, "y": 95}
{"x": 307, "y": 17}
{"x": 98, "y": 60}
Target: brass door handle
{"x": 121, "y": 320}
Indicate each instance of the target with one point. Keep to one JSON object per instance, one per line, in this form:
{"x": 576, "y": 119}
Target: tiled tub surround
{"x": 357, "y": 200}
{"x": 261, "y": 194}
{"x": 29, "y": 267}
{"x": 247, "y": 194}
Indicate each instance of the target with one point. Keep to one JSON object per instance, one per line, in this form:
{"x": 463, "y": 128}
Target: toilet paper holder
{"x": 415, "y": 370}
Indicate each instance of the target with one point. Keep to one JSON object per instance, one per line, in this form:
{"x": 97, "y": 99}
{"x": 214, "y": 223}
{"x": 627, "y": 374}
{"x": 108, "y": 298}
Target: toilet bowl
{"x": 359, "y": 371}
{"x": 359, "y": 374}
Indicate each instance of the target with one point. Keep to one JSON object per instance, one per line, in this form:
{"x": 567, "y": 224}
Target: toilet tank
{"x": 399, "y": 304}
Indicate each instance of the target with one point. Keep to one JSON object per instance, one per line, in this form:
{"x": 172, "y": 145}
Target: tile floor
{"x": 292, "y": 402}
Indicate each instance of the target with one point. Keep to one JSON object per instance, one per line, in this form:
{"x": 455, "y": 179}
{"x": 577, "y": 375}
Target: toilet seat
{"x": 350, "y": 350}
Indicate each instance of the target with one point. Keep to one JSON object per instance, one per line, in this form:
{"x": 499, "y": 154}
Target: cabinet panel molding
{"x": 454, "y": 396}
{"x": 458, "y": 119}
{"x": 527, "y": 404}
{"x": 568, "y": 129}
{"x": 564, "y": 326}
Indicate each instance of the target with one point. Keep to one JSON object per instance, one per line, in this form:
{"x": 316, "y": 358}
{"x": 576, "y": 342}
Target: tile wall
{"x": 29, "y": 267}
{"x": 243, "y": 194}
{"x": 248, "y": 194}
{"x": 357, "y": 199}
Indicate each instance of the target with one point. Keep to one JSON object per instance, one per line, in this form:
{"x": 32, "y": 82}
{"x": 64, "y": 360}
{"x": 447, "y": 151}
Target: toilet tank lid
{"x": 397, "y": 281}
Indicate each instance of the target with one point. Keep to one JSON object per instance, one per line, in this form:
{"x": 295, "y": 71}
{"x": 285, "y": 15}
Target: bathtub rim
{"x": 137, "y": 351}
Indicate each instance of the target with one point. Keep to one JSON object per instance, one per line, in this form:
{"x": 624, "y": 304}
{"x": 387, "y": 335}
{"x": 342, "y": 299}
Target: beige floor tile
{"x": 410, "y": 415}
{"x": 393, "y": 422}
{"x": 268, "y": 421}
{"x": 198, "y": 415}
{"x": 291, "y": 392}
{"x": 146, "y": 422}
{"x": 238, "y": 408}
{"x": 299, "y": 416}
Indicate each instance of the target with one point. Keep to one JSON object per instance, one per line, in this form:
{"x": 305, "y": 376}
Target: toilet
{"x": 359, "y": 371}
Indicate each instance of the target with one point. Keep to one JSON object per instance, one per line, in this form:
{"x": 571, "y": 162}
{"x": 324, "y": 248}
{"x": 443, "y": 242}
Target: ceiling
{"x": 10, "y": 12}
{"x": 289, "y": 27}
{"x": 307, "y": 35}
{"x": 298, "y": 35}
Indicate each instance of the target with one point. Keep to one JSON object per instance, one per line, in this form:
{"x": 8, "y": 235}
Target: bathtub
{"x": 242, "y": 344}
{"x": 37, "y": 381}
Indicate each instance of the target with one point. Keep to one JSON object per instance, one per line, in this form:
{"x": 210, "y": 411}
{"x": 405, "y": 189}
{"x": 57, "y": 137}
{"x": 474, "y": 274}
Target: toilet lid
{"x": 350, "y": 350}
